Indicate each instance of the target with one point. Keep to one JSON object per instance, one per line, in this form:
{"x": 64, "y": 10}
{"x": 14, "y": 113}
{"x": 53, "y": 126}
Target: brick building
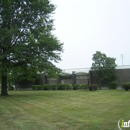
{"x": 79, "y": 76}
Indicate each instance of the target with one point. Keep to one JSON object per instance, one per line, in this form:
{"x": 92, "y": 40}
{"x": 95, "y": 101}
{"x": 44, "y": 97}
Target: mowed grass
{"x": 64, "y": 110}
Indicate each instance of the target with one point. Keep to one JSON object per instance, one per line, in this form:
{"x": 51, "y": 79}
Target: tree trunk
{"x": 4, "y": 85}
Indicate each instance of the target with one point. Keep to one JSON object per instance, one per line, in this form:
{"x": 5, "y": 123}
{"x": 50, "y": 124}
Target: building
{"x": 122, "y": 74}
{"x": 78, "y": 76}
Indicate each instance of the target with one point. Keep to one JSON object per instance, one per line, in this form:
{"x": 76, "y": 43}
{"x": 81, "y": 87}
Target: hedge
{"x": 65, "y": 87}
{"x": 84, "y": 86}
{"x": 11, "y": 88}
{"x": 113, "y": 85}
{"x": 37, "y": 87}
{"x": 93, "y": 87}
{"x": 53, "y": 87}
{"x": 46, "y": 87}
{"x": 76, "y": 87}
{"x": 126, "y": 86}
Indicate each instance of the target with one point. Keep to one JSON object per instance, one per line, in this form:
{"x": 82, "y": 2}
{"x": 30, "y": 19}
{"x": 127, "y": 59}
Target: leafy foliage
{"x": 76, "y": 87}
{"x": 84, "y": 86}
{"x": 27, "y": 45}
{"x": 104, "y": 66}
{"x": 37, "y": 87}
{"x": 61, "y": 86}
{"x": 93, "y": 87}
{"x": 53, "y": 87}
{"x": 65, "y": 87}
{"x": 113, "y": 85}
{"x": 80, "y": 86}
{"x": 126, "y": 86}
{"x": 46, "y": 87}
{"x": 69, "y": 86}
{"x": 11, "y": 88}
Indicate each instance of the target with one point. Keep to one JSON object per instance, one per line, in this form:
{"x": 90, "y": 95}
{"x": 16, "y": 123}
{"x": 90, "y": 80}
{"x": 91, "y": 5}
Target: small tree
{"x": 104, "y": 67}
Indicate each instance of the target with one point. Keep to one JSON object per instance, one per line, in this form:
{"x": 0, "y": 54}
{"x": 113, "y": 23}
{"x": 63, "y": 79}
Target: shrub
{"x": 84, "y": 86}
{"x": 126, "y": 85}
{"x": 37, "y": 87}
{"x": 53, "y": 87}
{"x": 46, "y": 87}
{"x": 69, "y": 86}
{"x": 113, "y": 85}
{"x": 76, "y": 87}
{"x": 93, "y": 87}
{"x": 11, "y": 88}
{"x": 61, "y": 87}
{"x": 81, "y": 86}
{"x": 34, "y": 87}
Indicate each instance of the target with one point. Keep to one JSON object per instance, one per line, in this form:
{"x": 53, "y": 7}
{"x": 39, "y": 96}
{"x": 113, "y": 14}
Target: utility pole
{"x": 122, "y": 56}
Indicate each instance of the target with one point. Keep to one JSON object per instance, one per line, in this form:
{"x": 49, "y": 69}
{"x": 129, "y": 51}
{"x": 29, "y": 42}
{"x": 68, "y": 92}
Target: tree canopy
{"x": 27, "y": 45}
{"x": 104, "y": 66}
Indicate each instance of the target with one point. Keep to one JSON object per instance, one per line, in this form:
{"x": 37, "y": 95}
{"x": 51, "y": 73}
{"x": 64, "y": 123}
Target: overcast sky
{"x": 87, "y": 26}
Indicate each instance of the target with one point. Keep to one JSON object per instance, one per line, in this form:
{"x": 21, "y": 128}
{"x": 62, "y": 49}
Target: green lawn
{"x": 64, "y": 110}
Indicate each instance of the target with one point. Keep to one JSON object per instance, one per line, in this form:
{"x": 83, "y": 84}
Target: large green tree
{"x": 104, "y": 67}
{"x": 27, "y": 45}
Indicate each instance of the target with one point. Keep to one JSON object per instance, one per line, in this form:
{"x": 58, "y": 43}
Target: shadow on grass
{"x": 53, "y": 93}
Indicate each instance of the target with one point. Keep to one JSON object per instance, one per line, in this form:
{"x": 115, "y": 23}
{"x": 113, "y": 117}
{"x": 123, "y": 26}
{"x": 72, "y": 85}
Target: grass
{"x": 64, "y": 110}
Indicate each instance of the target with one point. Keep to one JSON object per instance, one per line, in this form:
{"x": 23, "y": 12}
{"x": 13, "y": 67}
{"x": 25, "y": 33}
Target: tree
{"x": 27, "y": 45}
{"x": 104, "y": 67}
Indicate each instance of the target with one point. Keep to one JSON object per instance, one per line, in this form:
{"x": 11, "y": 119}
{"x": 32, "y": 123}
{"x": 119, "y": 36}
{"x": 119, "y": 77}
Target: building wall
{"x": 94, "y": 79}
{"x": 25, "y": 84}
{"x": 53, "y": 81}
{"x": 81, "y": 81}
{"x": 123, "y": 75}
{"x": 66, "y": 81}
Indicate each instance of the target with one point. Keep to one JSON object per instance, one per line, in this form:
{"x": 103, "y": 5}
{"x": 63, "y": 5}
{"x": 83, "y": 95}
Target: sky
{"x": 87, "y": 26}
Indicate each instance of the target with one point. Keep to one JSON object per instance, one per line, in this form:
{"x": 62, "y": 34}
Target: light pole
{"x": 122, "y": 56}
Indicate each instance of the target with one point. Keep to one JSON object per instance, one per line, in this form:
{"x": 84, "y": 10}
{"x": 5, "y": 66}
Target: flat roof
{"x": 86, "y": 70}
{"x": 76, "y": 70}
{"x": 123, "y": 67}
